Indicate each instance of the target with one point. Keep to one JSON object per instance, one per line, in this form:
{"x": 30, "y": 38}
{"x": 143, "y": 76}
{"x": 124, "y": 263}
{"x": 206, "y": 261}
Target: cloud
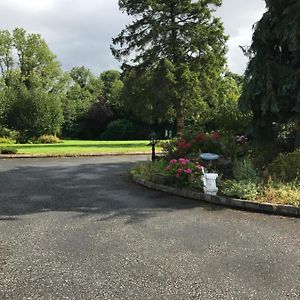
{"x": 239, "y": 16}
{"x": 80, "y": 32}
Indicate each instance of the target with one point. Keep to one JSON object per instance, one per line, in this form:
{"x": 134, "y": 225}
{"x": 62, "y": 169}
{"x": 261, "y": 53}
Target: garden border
{"x": 276, "y": 209}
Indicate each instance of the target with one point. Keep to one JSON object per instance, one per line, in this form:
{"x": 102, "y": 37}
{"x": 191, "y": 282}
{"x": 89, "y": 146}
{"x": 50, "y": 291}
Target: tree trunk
{"x": 297, "y": 140}
{"x": 179, "y": 119}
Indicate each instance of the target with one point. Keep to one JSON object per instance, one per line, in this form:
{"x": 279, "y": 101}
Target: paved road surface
{"x": 78, "y": 228}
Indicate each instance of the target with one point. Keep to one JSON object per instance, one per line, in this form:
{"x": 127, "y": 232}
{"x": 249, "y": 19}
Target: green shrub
{"x": 192, "y": 144}
{"x": 153, "y": 171}
{"x": 244, "y": 170}
{"x": 286, "y": 194}
{"x": 5, "y": 140}
{"x": 8, "y": 150}
{"x": 227, "y": 117}
{"x": 5, "y": 132}
{"x": 182, "y": 172}
{"x": 125, "y": 130}
{"x": 48, "y": 139}
{"x": 239, "y": 189}
{"x": 286, "y": 167}
{"x": 235, "y": 146}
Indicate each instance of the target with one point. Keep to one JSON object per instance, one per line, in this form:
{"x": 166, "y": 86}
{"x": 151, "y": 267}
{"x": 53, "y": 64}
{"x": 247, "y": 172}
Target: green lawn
{"x": 75, "y": 147}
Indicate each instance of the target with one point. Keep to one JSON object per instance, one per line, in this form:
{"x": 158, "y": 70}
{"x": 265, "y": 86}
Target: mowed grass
{"x": 76, "y": 147}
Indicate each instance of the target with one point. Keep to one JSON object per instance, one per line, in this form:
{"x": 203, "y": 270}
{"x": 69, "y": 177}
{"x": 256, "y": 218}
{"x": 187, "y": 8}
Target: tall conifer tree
{"x": 180, "y": 41}
{"x": 272, "y": 80}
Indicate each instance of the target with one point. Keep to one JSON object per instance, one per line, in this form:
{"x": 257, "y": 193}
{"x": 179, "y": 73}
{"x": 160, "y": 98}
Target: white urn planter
{"x": 210, "y": 184}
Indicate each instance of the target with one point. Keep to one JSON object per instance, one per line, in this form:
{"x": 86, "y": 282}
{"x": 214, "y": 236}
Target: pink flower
{"x": 177, "y": 175}
{"x": 168, "y": 168}
{"x": 188, "y": 171}
{"x": 183, "y": 160}
{"x": 179, "y": 171}
{"x": 173, "y": 161}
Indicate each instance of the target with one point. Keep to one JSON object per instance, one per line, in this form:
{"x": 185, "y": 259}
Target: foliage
{"x": 83, "y": 100}
{"x": 5, "y": 140}
{"x": 34, "y": 64}
{"x": 169, "y": 149}
{"x": 32, "y": 84}
{"x": 286, "y": 167}
{"x": 235, "y": 147}
{"x": 227, "y": 117}
{"x": 144, "y": 97}
{"x": 239, "y": 189}
{"x": 112, "y": 89}
{"x": 48, "y": 139}
{"x": 5, "y": 132}
{"x": 8, "y": 150}
{"x": 244, "y": 170}
{"x": 125, "y": 130}
{"x": 152, "y": 171}
{"x": 34, "y": 113}
{"x": 279, "y": 193}
{"x": 180, "y": 45}
{"x": 182, "y": 171}
{"x": 272, "y": 79}
{"x": 192, "y": 144}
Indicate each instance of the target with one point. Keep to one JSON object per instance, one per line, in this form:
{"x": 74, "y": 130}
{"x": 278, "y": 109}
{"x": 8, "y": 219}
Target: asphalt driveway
{"x": 78, "y": 228}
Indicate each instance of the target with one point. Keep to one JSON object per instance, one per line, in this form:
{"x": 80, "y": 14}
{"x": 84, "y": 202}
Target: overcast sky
{"x": 79, "y": 32}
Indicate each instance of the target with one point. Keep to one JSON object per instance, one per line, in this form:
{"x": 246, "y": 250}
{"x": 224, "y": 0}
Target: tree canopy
{"x": 180, "y": 42}
{"x": 272, "y": 80}
{"x": 32, "y": 83}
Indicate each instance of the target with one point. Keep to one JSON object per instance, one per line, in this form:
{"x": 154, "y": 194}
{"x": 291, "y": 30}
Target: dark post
{"x": 153, "y": 142}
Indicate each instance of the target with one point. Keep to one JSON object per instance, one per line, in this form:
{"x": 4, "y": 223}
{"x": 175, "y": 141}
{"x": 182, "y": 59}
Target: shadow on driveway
{"x": 103, "y": 189}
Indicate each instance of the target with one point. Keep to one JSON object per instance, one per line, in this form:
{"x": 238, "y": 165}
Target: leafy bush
{"x": 287, "y": 194}
{"x": 235, "y": 147}
{"x": 8, "y": 150}
{"x": 48, "y": 139}
{"x": 182, "y": 171}
{"x": 239, "y": 189}
{"x": 5, "y": 140}
{"x": 228, "y": 117}
{"x": 125, "y": 130}
{"x": 244, "y": 170}
{"x": 169, "y": 149}
{"x": 152, "y": 171}
{"x": 286, "y": 167}
{"x": 192, "y": 144}
{"x": 5, "y": 132}
{"x": 34, "y": 113}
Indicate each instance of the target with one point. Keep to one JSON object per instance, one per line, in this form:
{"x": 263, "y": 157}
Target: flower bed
{"x": 239, "y": 177}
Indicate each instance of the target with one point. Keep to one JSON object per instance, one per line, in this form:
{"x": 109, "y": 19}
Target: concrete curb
{"x": 276, "y": 209}
{"x": 14, "y": 156}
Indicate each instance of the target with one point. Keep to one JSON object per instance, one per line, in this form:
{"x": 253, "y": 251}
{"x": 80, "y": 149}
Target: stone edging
{"x": 285, "y": 210}
{"x": 11, "y": 156}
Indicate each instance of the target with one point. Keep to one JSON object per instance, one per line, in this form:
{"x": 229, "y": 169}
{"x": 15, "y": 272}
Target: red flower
{"x": 181, "y": 143}
{"x": 215, "y": 136}
{"x": 201, "y": 137}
